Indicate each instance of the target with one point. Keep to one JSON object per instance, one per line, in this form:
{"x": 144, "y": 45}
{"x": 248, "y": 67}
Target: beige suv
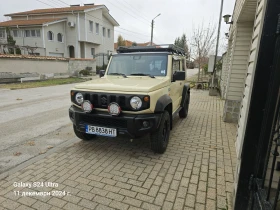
{"x": 141, "y": 91}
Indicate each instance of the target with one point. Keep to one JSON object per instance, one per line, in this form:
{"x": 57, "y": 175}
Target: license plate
{"x": 101, "y": 131}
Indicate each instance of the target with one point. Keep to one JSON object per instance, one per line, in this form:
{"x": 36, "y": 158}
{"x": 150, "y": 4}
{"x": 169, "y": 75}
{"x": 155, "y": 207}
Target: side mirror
{"x": 101, "y": 73}
{"x": 179, "y": 75}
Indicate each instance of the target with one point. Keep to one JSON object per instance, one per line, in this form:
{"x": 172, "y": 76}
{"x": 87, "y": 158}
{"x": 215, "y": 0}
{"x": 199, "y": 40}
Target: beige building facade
{"x": 75, "y": 31}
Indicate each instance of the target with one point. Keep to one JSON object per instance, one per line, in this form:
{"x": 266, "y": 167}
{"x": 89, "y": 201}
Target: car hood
{"x": 129, "y": 84}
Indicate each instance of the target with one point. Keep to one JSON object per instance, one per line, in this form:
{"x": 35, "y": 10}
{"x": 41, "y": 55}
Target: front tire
{"x": 183, "y": 113}
{"x": 83, "y": 136}
{"x": 159, "y": 138}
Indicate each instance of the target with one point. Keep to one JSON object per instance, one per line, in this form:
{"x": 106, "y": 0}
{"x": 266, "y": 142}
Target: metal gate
{"x": 264, "y": 185}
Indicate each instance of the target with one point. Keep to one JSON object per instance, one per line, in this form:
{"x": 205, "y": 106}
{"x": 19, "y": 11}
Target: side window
{"x": 184, "y": 64}
{"x": 176, "y": 65}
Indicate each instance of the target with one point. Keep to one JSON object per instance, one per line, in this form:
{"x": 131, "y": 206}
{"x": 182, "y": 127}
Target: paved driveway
{"x": 196, "y": 170}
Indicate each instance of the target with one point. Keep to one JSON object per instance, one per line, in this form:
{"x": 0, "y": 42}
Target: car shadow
{"x": 133, "y": 148}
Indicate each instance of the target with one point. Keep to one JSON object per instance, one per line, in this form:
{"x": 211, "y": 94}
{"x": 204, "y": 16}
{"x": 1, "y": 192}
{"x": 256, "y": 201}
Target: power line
{"x": 134, "y": 11}
{"x": 130, "y": 35}
{"x": 54, "y": 2}
{"x": 63, "y": 2}
{"x": 103, "y": 20}
{"x": 133, "y": 32}
{"x": 103, "y": 25}
{"x": 127, "y": 12}
{"x": 44, "y": 3}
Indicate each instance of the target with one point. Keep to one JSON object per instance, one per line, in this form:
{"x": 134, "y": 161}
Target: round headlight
{"x": 79, "y": 98}
{"x": 135, "y": 102}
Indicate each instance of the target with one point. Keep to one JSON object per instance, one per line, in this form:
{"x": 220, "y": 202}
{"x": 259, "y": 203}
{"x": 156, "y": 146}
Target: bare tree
{"x": 202, "y": 43}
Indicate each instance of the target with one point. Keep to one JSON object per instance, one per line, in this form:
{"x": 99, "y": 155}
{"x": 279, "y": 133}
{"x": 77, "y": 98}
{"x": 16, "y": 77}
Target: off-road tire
{"x": 159, "y": 138}
{"x": 83, "y": 136}
{"x": 183, "y": 113}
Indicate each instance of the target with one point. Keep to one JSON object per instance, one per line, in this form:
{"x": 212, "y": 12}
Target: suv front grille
{"x": 102, "y": 121}
{"x": 102, "y": 100}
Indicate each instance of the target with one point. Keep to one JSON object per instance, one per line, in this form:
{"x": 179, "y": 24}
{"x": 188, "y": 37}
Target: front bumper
{"x": 129, "y": 125}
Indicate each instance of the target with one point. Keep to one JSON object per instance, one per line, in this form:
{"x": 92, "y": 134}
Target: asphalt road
{"x": 34, "y": 121}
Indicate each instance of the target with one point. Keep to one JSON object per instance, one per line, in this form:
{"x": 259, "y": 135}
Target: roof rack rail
{"x": 155, "y": 48}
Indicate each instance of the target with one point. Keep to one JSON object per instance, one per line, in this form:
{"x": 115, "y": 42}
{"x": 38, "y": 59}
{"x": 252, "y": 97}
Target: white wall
{"x": 54, "y": 46}
{"x": 240, "y": 55}
{"x": 255, "y": 40}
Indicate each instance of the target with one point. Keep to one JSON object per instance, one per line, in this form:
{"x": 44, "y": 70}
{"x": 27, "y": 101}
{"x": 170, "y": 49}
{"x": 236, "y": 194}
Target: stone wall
{"x": 76, "y": 65}
{"x": 47, "y": 67}
{"x": 231, "y": 111}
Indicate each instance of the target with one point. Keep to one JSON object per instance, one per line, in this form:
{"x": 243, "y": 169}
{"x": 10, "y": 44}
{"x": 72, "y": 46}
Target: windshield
{"x": 137, "y": 65}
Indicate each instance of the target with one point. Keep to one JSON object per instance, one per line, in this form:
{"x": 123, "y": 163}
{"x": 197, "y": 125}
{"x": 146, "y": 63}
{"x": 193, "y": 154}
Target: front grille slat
{"x": 101, "y": 121}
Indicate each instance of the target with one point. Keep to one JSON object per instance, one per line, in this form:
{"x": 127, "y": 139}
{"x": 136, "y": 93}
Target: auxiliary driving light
{"x": 87, "y": 106}
{"x": 114, "y": 109}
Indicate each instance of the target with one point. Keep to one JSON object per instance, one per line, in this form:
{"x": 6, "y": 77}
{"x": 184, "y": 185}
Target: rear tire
{"x": 159, "y": 138}
{"x": 83, "y": 136}
{"x": 183, "y": 113}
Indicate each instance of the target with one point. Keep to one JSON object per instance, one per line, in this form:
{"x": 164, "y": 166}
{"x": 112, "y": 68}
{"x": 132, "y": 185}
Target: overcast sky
{"x": 135, "y": 16}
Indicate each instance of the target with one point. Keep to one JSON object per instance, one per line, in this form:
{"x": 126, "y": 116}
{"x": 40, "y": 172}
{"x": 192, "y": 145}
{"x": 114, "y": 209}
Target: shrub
{"x": 85, "y": 72}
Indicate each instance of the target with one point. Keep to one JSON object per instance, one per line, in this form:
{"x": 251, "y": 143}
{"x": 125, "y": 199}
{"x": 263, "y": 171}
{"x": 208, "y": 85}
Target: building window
{"x": 2, "y": 33}
{"x": 27, "y": 33}
{"x": 16, "y": 33}
{"x": 59, "y": 37}
{"x": 93, "y": 52}
{"x": 38, "y": 33}
{"x": 109, "y": 33}
{"x": 90, "y": 26}
{"x": 104, "y": 31}
{"x": 50, "y": 35}
{"x": 32, "y": 33}
{"x": 97, "y": 28}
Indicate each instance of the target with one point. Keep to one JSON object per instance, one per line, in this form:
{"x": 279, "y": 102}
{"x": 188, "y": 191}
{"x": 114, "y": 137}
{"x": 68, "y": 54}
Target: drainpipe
{"x": 44, "y": 43}
{"x": 79, "y": 38}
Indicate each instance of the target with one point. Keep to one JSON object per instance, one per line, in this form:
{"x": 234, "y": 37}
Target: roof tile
{"x": 27, "y": 22}
{"x": 54, "y": 10}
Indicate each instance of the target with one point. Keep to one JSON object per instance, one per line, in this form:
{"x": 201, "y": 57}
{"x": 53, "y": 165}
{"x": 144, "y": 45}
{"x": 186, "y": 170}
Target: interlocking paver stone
{"x": 195, "y": 172}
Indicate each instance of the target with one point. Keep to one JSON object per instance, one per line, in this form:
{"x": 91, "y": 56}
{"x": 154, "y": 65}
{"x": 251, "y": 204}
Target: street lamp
{"x": 153, "y": 29}
{"x": 226, "y": 19}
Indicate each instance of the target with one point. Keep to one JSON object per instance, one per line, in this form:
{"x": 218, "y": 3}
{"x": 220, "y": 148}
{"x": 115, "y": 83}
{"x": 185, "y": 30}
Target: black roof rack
{"x": 155, "y": 48}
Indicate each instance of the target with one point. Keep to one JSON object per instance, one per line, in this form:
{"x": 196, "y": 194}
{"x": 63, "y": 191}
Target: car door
{"x": 176, "y": 87}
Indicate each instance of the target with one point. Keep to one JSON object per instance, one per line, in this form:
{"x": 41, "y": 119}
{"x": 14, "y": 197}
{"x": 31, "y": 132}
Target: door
{"x": 71, "y": 51}
{"x": 176, "y": 87}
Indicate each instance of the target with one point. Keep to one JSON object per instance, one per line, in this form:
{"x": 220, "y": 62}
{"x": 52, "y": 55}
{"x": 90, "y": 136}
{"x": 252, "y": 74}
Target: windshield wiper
{"x": 141, "y": 74}
{"x": 118, "y": 74}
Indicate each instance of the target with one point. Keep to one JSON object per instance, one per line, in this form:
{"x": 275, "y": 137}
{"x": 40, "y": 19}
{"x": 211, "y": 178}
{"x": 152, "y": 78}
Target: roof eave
{"x": 36, "y": 25}
{"x": 42, "y": 13}
{"x": 54, "y": 22}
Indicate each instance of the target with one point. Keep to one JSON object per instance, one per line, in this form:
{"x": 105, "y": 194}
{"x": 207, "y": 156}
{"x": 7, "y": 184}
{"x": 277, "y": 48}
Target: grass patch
{"x": 44, "y": 83}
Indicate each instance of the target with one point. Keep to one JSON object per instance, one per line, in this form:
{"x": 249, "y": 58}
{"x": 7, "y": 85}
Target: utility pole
{"x": 213, "y": 90}
{"x": 152, "y": 32}
{"x": 103, "y": 62}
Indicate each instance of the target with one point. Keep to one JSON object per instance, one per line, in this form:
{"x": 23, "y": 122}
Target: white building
{"x": 75, "y": 31}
